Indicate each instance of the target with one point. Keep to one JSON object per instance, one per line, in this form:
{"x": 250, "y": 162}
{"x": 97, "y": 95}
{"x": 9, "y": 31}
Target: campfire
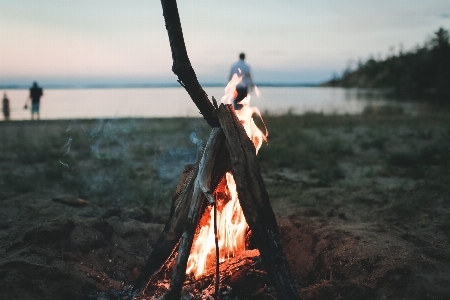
{"x": 222, "y": 227}
{"x": 232, "y": 228}
{"x": 221, "y": 232}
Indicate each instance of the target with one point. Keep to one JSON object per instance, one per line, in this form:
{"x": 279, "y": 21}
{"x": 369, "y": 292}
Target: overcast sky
{"x": 108, "y": 41}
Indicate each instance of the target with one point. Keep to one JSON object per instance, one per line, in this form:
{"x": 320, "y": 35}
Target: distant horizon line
{"x": 148, "y": 85}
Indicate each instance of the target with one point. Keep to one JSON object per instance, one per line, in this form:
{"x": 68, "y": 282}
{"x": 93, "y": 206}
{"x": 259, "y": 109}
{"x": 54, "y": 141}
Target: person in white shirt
{"x": 244, "y": 87}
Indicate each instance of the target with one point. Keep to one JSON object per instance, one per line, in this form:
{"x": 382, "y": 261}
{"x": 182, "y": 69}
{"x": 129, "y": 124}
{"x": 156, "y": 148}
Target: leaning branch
{"x": 187, "y": 238}
{"x": 255, "y": 203}
{"x": 182, "y": 65}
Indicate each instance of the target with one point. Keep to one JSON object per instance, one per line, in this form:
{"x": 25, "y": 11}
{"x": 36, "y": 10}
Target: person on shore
{"x": 35, "y": 96}
{"x": 242, "y": 69}
{"x": 5, "y": 108}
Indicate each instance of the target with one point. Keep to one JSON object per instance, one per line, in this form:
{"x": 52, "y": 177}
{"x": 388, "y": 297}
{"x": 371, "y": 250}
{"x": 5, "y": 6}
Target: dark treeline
{"x": 423, "y": 71}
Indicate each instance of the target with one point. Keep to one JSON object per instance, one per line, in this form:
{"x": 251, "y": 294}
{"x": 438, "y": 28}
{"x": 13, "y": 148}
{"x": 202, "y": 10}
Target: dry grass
{"x": 136, "y": 162}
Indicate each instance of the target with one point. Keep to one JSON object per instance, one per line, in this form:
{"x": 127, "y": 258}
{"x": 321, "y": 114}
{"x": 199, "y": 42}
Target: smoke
{"x": 65, "y": 165}
{"x": 69, "y": 142}
{"x": 99, "y": 159}
{"x": 196, "y": 141}
{"x": 136, "y": 161}
{"x": 171, "y": 163}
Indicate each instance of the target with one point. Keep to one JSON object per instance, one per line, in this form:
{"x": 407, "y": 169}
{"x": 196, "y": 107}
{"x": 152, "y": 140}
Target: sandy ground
{"x": 362, "y": 202}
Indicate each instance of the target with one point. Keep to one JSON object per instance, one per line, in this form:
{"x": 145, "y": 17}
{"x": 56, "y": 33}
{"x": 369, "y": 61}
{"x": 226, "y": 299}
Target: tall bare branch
{"x": 182, "y": 65}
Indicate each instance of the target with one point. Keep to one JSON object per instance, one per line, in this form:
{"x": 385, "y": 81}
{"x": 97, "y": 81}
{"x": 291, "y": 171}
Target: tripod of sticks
{"x": 228, "y": 148}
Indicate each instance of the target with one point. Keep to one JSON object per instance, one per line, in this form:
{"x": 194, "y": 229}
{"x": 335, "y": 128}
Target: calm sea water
{"x": 175, "y": 102}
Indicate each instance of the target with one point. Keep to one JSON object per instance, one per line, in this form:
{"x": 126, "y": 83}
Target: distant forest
{"x": 423, "y": 71}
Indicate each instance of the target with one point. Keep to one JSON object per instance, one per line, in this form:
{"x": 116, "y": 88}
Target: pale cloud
{"x": 283, "y": 39}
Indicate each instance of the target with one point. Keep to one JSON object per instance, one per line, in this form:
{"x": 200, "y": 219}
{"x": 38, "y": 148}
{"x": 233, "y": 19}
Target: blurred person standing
{"x": 242, "y": 70}
{"x": 36, "y": 93}
{"x": 5, "y": 108}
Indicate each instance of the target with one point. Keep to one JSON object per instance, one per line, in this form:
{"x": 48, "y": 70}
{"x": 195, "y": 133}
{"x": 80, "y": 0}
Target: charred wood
{"x": 168, "y": 241}
{"x": 170, "y": 236}
{"x": 184, "y": 249}
{"x": 207, "y": 163}
{"x": 182, "y": 200}
{"x": 187, "y": 204}
{"x": 255, "y": 203}
{"x": 187, "y": 238}
{"x": 241, "y": 275}
{"x": 216, "y": 242}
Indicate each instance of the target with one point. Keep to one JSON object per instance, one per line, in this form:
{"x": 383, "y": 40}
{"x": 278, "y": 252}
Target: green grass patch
{"x": 383, "y": 110}
{"x": 434, "y": 154}
{"x": 374, "y": 140}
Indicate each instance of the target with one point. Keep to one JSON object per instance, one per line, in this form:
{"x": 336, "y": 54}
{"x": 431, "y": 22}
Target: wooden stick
{"x": 207, "y": 164}
{"x": 216, "y": 240}
{"x": 184, "y": 249}
{"x": 255, "y": 203}
{"x": 182, "y": 65}
{"x": 173, "y": 229}
{"x": 181, "y": 202}
{"x": 252, "y": 194}
{"x": 187, "y": 238}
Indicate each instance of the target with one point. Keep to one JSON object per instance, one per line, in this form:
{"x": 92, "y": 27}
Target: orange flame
{"x": 231, "y": 230}
{"x": 231, "y": 224}
{"x": 246, "y": 112}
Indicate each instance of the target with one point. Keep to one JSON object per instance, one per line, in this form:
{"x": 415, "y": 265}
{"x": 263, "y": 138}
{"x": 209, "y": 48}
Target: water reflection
{"x": 175, "y": 102}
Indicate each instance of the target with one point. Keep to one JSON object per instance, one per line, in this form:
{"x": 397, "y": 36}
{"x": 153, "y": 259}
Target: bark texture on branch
{"x": 181, "y": 202}
{"x": 182, "y": 65}
{"x": 171, "y": 234}
{"x": 187, "y": 204}
{"x": 255, "y": 203}
{"x": 187, "y": 238}
{"x": 184, "y": 249}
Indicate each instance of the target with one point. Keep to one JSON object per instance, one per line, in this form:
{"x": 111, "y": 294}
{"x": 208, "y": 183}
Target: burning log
{"x": 241, "y": 276}
{"x": 168, "y": 241}
{"x": 170, "y": 236}
{"x": 255, "y": 202}
{"x": 203, "y": 178}
{"x": 242, "y": 272}
{"x": 202, "y": 181}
